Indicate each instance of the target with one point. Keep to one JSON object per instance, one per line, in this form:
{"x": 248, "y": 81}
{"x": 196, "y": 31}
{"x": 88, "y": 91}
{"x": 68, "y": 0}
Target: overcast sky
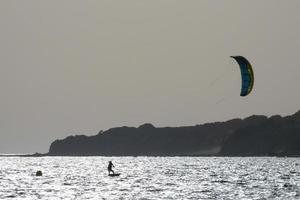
{"x": 77, "y": 67}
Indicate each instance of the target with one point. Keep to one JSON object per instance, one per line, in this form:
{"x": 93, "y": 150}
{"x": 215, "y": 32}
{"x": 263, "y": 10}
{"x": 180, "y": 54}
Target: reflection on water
{"x": 150, "y": 178}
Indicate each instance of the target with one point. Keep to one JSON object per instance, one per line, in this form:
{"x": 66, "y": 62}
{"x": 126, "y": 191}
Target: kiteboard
{"x": 114, "y": 174}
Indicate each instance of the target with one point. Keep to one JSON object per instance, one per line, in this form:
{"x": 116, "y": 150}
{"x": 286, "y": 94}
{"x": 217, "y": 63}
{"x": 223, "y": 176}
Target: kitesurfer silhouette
{"x": 109, "y": 168}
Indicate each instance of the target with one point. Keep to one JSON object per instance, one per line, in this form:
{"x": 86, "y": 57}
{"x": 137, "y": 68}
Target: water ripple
{"x": 150, "y": 178}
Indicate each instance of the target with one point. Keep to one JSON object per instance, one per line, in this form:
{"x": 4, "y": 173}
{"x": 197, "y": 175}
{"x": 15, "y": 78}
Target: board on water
{"x": 114, "y": 174}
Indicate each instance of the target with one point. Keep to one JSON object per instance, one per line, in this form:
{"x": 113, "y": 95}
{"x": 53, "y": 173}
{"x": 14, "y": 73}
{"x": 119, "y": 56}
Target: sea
{"x": 150, "y": 178}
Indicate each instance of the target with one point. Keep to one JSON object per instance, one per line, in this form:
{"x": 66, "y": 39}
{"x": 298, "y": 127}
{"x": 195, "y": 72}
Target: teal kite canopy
{"x": 247, "y": 75}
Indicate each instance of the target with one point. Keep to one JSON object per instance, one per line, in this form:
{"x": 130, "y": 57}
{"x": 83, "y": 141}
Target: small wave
{"x": 155, "y": 190}
{"x": 221, "y": 181}
{"x": 11, "y": 196}
{"x": 241, "y": 183}
{"x": 285, "y": 177}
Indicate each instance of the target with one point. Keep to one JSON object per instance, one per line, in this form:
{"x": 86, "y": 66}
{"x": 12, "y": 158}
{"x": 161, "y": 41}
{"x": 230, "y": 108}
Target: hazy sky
{"x": 77, "y": 67}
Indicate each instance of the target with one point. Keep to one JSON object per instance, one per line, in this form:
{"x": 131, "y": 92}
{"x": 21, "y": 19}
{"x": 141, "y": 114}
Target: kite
{"x": 247, "y": 75}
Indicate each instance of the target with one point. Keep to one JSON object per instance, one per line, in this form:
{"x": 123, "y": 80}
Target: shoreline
{"x": 171, "y": 156}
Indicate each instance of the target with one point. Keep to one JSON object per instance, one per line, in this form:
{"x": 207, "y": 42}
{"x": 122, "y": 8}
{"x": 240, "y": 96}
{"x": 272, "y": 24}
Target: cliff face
{"x": 275, "y": 136}
{"x": 255, "y": 136}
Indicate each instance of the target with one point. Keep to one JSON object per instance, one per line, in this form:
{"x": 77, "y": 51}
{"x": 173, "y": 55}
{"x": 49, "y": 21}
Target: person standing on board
{"x": 109, "y": 168}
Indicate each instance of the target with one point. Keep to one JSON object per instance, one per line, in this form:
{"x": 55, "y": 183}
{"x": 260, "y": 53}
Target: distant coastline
{"x": 252, "y": 136}
{"x": 12, "y": 155}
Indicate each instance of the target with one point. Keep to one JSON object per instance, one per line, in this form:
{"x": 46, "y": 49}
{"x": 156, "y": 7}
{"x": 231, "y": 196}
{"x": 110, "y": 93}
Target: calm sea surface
{"x": 150, "y": 178}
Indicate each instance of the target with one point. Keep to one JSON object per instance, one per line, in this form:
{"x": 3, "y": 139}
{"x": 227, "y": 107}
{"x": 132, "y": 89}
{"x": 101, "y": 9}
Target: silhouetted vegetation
{"x": 252, "y": 136}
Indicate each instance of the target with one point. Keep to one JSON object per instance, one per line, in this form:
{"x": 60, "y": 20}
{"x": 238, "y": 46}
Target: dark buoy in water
{"x": 39, "y": 173}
